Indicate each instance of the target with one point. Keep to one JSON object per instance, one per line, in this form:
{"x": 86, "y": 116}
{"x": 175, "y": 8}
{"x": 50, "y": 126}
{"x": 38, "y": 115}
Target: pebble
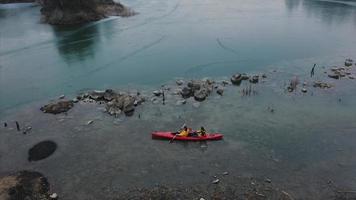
{"x": 53, "y": 196}
{"x": 216, "y": 181}
{"x": 181, "y": 102}
{"x": 201, "y": 199}
{"x": 62, "y": 96}
{"x": 196, "y": 104}
{"x": 226, "y": 173}
{"x": 268, "y": 180}
{"x": 304, "y": 90}
{"x": 90, "y": 122}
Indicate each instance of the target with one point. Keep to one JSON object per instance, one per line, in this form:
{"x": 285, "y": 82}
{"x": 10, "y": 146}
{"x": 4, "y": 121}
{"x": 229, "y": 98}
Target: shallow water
{"x": 304, "y": 144}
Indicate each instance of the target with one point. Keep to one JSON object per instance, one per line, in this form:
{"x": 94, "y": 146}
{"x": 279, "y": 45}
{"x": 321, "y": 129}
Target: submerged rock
{"x": 322, "y": 85}
{"x": 181, "y": 102}
{"x": 58, "y": 107}
{"x": 24, "y": 185}
{"x": 42, "y": 150}
{"x": 334, "y": 76}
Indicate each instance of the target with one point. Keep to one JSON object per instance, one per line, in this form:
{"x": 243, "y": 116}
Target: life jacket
{"x": 184, "y": 133}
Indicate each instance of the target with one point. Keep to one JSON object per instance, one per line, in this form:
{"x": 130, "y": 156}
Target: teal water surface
{"x": 167, "y": 39}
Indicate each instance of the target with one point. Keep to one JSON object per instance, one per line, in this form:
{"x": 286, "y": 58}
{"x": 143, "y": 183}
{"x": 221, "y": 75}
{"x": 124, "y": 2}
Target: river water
{"x": 304, "y": 144}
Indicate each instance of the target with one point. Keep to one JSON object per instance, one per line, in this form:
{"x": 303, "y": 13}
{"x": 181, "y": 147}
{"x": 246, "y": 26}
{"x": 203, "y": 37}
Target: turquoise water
{"x": 168, "y": 39}
{"x": 306, "y": 143}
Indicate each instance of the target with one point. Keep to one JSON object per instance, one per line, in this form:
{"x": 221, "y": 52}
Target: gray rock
{"x": 348, "y": 62}
{"x": 179, "y": 82}
{"x": 201, "y": 94}
{"x": 58, "y": 107}
{"x": 220, "y": 91}
{"x": 216, "y": 181}
{"x": 304, "y": 90}
{"x": 75, "y": 100}
{"x": 181, "y": 102}
{"x": 225, "y": 82}
{"x": 157, "y": 93}
{"x": 194, "y": 85}
{"x": 61, "y": 97}
{"x": 334, "y": 76}
{"x": 254, "y": 79}
{"x": 322, "y": 85}
{"x": 109, "y": 95}
{"x": 236, "y": 79}
{"x": 97, "y": 95}
{"x": 186, "y": 92}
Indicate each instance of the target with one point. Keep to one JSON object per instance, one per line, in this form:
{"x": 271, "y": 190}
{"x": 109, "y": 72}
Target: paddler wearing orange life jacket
{"x": 184, "y": 132}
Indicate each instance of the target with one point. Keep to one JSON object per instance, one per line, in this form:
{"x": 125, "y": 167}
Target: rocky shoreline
{"x": 117, "y": 103}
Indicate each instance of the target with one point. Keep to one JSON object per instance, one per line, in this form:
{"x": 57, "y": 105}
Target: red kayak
{"x": 170, "y": 135}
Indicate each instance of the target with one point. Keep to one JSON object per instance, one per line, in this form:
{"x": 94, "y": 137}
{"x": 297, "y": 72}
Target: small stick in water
{"x": 312, "y": 71}
{"x": 163, "y": 97}
{"x": 17, "y": 126}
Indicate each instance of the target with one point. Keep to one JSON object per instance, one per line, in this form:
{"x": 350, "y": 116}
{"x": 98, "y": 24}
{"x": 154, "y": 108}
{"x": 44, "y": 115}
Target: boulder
{"x": 254, "y": 79}
{"x": 236, "y": 79}
{"x": 220, "y": 91}
{"x": 24, "y": 185}
{"x": 348, "y": 62}
{"x": 179, "y": 82}
{"x": 128, "y": 105}
{"x": 109, "y": 95}
{"x": 194, "y": 85}
{"x": 97, "y": 95}
{"x": 186, "y": 92}
{"x": 201, "y": 94}
{"x": 57, "y": 107}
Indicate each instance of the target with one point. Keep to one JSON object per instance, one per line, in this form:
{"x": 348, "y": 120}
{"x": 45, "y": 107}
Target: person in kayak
{"x": 202, "y": 131}
{"x": 184, "y": 132}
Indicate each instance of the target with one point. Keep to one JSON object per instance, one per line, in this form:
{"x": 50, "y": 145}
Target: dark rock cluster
{"x": 115, "y": 102}
{"x": 77, "y": 11}
{"x": 58, "y": 107}
{"x": 24, "y": 185}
